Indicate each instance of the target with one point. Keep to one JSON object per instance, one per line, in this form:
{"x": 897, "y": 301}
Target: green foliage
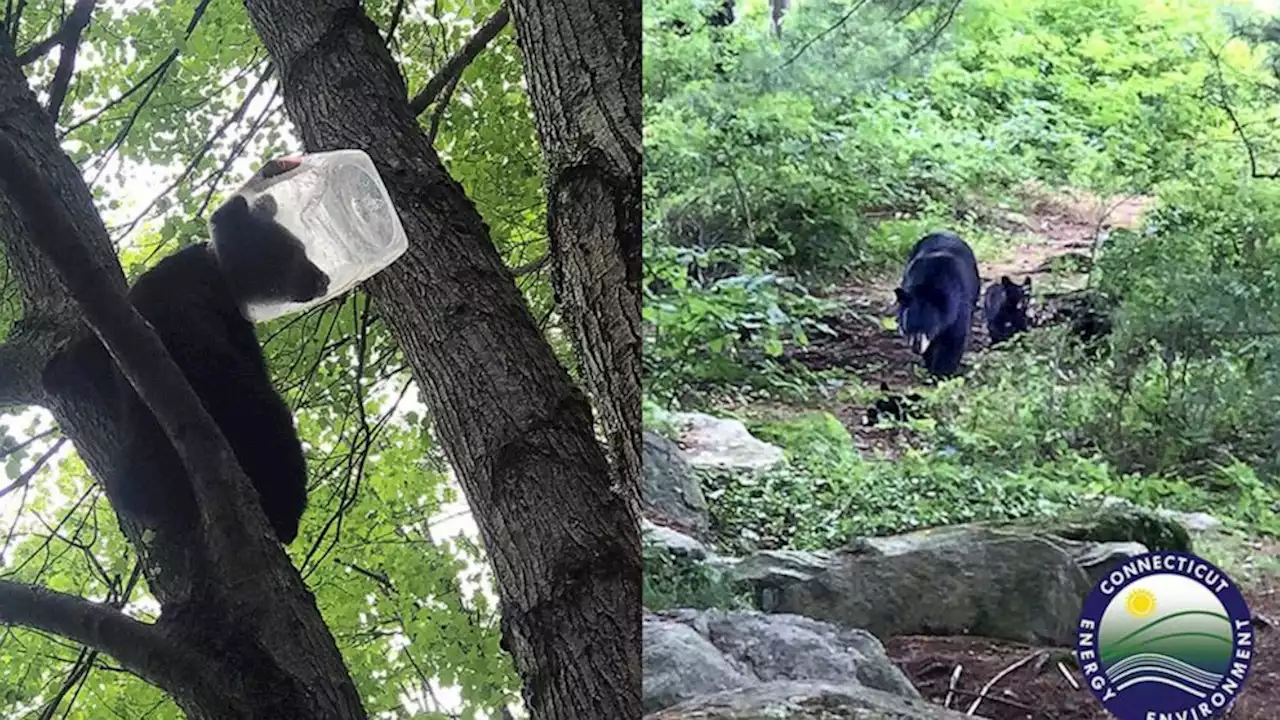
{"x": 827, "y": 494}
{"x": 1099, "y": 93}
{"x": 802, "y": 145}
{"x": 1159, "y": 434}
{"x": 673, "y": 581}
{"x": 813, "y": 435}
{"x": 1192, "y": 381}
{"x": 719, "y": 316}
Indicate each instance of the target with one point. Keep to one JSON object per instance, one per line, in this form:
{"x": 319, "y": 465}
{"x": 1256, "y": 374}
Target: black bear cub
{"x": 899, "y": 407}
{"x": 936, "y": 300}
{"x": 1005, "y": 305}
{"x": 194, "y": 299}
{"x": 261, "y": 260}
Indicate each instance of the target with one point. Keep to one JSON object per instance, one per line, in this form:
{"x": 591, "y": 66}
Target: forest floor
{"x": 1055, "y": 226}
{"x": 1037, "y": 689}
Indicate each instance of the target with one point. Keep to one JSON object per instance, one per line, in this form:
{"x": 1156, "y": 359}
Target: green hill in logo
{"x": 1169, "y": 630}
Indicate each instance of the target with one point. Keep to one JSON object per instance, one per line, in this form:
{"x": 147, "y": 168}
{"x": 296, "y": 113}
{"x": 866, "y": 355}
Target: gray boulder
{"x": 724, "y": 444}
{"x": 679, "y": 663}
{"x": 766, "y": 572}
{"x": 1099, "y": 558}
{"x": 670, "y": 493}
{"x": 791, "y": 700}
{"x": 691, "y": 653}
{"x": 1196, "y": 522}
{"x": 947, "y": 581}
{"x": 673, "y": 541}
{"x": 1192, "y": 522}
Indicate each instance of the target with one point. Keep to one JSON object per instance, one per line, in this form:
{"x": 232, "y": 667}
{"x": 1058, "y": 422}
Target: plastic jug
{"x": 337, "y": 206}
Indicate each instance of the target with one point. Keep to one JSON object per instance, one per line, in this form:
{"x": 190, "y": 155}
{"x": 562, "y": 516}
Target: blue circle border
{"x": 1097, "y": 602}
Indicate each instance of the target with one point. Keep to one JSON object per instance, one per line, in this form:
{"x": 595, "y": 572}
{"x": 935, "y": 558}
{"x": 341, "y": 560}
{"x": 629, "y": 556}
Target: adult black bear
{"x": 1005, "y": 306}
{"x": 194, "y": 299}
{"x": 936, "y": 300}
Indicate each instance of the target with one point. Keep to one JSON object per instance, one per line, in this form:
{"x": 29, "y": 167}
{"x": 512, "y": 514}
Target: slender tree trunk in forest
{"x": 778, "y": 10}
{"x": 563, "y": 539}
{"x": 582, "y": 63}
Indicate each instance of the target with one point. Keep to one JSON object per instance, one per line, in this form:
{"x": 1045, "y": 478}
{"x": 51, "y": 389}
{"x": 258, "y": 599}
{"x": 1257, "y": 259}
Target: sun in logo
{"x": 1140, "y": 603}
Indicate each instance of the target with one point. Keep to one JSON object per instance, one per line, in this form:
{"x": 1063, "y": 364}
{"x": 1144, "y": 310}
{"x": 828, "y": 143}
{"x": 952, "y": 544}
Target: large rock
{"x": 679, "y": 664}
{"x": 1118, "y": 520}
{"x": 1099, "y": 558}
{"x": 1096, "y": 557}
{"x": 790, "y": 700}
{"x": 690, "y": 653}
{"x": 947, "y": 581}
{"x": 768, "y": 571}
{"x": 670, "y": 492}
{"x": 1188, "y": 522}
{"x": 1193, "y": 522}
{"x": 724, "y": 444}
{"x": 782, "y": 567}
{"x": 673, "y": 541}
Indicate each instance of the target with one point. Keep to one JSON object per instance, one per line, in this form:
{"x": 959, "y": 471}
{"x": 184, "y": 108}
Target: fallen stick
{"x": 951, "y": 689}
{"x": 991, "y": 683}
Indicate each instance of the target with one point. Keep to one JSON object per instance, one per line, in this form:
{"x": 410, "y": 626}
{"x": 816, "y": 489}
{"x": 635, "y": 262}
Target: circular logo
{"x": 1165, "y": 636}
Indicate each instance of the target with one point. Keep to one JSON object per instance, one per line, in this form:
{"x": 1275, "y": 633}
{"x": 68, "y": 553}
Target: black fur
{"x": 936, "y": 300}
{"x": 1005, "y": 305}
{"x": 1087, "y": 314}
{"x": 899, "y": 407}
{"x": 197, "y": 312}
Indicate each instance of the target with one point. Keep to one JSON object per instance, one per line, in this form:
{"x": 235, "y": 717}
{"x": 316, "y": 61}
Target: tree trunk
{"x": 240, "y": 636}
{"x": 563, "y": 540}
{"x": 586, "y": 103}
{"x": 777, "y": 11}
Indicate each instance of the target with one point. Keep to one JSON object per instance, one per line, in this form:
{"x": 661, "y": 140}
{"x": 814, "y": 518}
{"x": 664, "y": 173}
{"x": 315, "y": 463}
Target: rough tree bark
{"x": 239, "y": 635}
{"x": 582, "y": 64}
{"x": 563, "y": 539}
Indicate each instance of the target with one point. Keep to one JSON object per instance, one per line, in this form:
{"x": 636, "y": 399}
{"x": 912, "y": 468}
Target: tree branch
{"x": 1224, "y": 104}
{"x": 194, "y": 162}
{"x": 151, "y": 82}
{"x": 14, "y": 19}
{"x": 939, "y": 26}
{"x": 70, "y": 32}
{"x": 26, "y": 475}
{"x": 531, "y": 267}
{"x": 830, "y": 29}
{"x": 35, "y": 52}
{"x": 138, "y": 646}
{"x": 453, "y": 68}
{"x": 6, "y": 452}
{"x": 396, "y": 14}
{"x": 438, "y": 115}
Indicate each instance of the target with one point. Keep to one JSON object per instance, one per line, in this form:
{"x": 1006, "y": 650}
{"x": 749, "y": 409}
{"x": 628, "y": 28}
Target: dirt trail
{"x": 1056, "y": 225}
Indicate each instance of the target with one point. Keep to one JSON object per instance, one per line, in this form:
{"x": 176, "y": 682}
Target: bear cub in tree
{"x": 194, "y": 299}
{"x": 1005, "y": 305}
{"x": 936, "y": 300}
